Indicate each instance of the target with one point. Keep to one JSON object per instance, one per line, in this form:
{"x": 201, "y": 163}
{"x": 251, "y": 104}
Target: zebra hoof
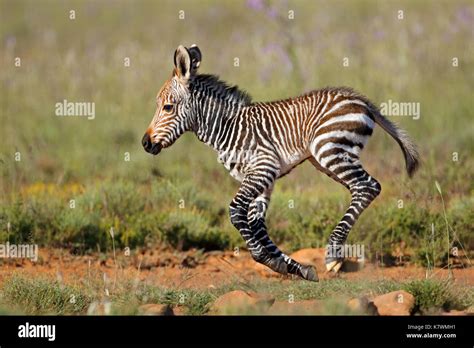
{"x": 334, "y": 266}
{"x": 278, "y": 265}
{"x": 309, "y": 273}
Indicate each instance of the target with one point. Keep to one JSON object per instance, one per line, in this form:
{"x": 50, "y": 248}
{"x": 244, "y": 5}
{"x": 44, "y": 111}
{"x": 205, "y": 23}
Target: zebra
{"x": 329, "y": 127}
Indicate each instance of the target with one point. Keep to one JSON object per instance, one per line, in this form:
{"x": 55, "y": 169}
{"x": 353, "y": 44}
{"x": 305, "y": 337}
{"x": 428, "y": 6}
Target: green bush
{"x": 434, "y": 295}
{"x": 43, "y": 296}
{"x": 184, "y": 218}
{"x": 184, "y": 230}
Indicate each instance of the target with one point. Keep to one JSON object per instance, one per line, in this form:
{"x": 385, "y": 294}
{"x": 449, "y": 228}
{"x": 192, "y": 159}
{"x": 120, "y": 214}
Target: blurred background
{"x": 272, "y": 49}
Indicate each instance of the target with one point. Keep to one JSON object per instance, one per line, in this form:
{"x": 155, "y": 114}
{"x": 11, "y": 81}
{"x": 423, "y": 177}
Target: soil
{"x": 197, "y": 270}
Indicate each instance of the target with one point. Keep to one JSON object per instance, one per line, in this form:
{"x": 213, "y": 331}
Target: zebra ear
{"x": 196, "y": 58}
{"x": 182, "y": 63}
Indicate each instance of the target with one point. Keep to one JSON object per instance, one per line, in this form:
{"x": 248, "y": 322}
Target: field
{"x": 117, "y": 228}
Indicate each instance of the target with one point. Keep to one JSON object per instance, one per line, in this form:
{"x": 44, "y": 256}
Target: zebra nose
{"x": 149, "y": 146}
{"x": 146, "y": 142}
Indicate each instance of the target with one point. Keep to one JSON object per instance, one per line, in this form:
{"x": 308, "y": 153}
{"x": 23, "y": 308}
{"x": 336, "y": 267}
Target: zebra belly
{"x": 232, "y": 165}
{"x": 288, "y": 164}
{"x": 236, "y": 174}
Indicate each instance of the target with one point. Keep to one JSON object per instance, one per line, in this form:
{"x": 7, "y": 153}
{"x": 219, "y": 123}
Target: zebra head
{"x": 174, "y": 113}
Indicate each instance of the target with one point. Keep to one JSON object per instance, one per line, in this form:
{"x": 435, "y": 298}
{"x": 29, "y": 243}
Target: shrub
{"x": 42, "y": 296}
{"x": 432, "y": 295}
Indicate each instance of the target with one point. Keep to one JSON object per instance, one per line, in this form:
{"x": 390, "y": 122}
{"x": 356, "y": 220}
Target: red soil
{"x": 192, "y": 269}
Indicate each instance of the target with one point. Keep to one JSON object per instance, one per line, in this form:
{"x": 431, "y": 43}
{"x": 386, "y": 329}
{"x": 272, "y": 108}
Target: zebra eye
{"x": 168, "y": 107}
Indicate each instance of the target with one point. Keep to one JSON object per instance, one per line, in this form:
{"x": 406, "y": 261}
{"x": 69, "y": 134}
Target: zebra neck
{"x": 215, "y": 120}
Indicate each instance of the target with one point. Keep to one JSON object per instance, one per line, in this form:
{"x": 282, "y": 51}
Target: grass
{"x": 182, "y": 197}
{"x": 155, "y": 213}
{"x": 38, "y": 295}
{"x": 42, "y": 296}
{"x": 432, "y": 296}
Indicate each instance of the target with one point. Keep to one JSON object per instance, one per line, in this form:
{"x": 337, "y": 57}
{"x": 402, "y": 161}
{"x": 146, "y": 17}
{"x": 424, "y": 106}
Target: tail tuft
{"x": 412, "y": 157}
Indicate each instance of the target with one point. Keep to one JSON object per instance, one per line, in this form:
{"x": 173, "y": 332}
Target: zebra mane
{"x": 211, "y": 84}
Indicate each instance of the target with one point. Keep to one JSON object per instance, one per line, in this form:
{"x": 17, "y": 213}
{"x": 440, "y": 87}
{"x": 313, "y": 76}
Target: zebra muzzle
{"x": 156, "y": 149}
{"x": 149, "y": 146}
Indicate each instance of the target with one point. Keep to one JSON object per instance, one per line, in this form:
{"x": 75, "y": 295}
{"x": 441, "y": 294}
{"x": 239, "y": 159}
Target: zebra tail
{"x": 412, "y": 157}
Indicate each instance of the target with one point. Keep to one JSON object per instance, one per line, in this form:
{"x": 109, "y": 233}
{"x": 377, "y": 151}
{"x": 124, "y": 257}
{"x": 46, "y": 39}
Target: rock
{"x": 362, "y": 305}
{"x": 155, "y": 309}
{"x": 359, "y": 304}
{"x": 395, "y": 303}
{"x": 179, "y": 310}
{"x": 309, "y": 256}
{"x": 241, "y": 302}
{"x": 306, "y": 307}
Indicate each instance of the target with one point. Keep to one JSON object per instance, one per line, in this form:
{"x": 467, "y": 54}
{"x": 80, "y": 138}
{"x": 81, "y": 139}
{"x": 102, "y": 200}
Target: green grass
{"x": 432, "y": 296}
{"x": 41, "y": 295}
{"x": 82, "y": 60}
{"x": 153, "y": 213}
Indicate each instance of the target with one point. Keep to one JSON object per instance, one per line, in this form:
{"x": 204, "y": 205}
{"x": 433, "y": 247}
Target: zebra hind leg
{"x": 256, "y": 218}
{"x": 347, "y": 170}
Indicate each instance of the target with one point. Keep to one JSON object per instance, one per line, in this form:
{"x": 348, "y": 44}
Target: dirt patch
{"x": 197, "y": 270}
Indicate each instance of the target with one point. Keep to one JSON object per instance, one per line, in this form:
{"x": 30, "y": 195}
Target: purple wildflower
{"x": 257, "y": 5}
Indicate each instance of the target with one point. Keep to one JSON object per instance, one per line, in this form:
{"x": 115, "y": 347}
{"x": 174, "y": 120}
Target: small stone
{"x": 241, "y": 302}
{"x": 362, "y": 305}
{"x": 179, "y": 310}
{"x": 358, "y": 304}
{"x": 155, "y": 309}
{"x": 395, "y": 303}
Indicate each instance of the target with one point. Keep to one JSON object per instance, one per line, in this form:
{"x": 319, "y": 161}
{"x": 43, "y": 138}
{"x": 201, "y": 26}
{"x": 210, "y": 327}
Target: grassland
{"x": 42, "y": 296}
{"x": 180, "y": 198}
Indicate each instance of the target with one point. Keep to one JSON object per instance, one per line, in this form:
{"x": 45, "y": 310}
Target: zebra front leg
{"x": 256, "y": 218}
{"x": 252, "y": 186}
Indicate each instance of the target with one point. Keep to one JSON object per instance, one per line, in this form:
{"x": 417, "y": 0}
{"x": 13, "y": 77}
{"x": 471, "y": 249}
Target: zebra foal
{"x": 263, "y": 141}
